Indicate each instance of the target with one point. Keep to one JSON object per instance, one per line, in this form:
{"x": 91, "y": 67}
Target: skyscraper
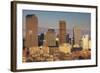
{"x": 50, "y": 37}
{"x": 76, "y": 36}
{"x": 62, "y": 32}
{"x": 31, "y": 31}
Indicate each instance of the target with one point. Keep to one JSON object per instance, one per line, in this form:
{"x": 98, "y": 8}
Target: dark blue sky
{"x": 50, "y": 19}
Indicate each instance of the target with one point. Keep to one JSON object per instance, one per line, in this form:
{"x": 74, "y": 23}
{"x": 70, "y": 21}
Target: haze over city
{"x": 50, "y": 19}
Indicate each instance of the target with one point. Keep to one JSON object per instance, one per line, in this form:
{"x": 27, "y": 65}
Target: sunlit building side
{"x": 85, "y": 42}
{"x": 76, "y": 36}
{"x": 50, "y": 38}
{"x": 31, "y": 31}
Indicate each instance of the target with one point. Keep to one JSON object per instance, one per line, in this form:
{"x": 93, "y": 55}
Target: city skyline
{"x": 50, "y": 19}
{"x": 53, "y": 46}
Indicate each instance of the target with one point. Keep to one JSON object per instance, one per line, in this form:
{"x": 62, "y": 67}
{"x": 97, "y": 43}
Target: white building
{"x": 85, "y": 43}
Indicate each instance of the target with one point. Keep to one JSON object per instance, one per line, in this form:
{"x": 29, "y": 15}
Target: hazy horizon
{"x": 50, "y": 19}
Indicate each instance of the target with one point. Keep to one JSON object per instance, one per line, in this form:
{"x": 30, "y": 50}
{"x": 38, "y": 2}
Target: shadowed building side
{"x": 62, "y": 32}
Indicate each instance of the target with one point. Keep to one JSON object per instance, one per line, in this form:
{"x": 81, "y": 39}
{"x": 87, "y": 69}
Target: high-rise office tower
{"x": 76, "y": 36}
{"x": 62, "y": 32}
{"x": 31, "y": 31}
{"x": 50, "y": 38}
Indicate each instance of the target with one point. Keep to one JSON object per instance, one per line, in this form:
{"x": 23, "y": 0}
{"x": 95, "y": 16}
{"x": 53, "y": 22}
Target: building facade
{"x": 85, "y": 42}
{"x": 65, "y": 48}
{"x": 76, "y": 36}
{"x": 62, "y": 32}
{"x": 31, "y": 31}
{"x": 50, "y": 38}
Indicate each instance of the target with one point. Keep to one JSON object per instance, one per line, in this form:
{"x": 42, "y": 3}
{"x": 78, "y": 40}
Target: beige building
{"x": 31, "y": 31}
{"x": 65, "y": 48}
{"x": 50, "y": 38}
{"x": 86, "y": 42}
{"x": 89, "y": 44}
{"x": 34, "y": 50}
{"x": 45, "y": 50}
{"x": 62, "y": 32}
{"x": 76, "y": 36}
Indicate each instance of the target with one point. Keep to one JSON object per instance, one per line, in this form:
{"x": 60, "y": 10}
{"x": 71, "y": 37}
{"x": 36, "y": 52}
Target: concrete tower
{"x": 62, "y": 32}
{"x": 50, "y": 37}
{"x": 31, "y": 31}
{"x": 76, "y": 36}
